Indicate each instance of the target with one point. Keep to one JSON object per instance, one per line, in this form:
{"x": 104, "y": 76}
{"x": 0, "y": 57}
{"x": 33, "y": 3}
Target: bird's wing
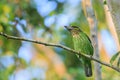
{"x": 88, "y": 38}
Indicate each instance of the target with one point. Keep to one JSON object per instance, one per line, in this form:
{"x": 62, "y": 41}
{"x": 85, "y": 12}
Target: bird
{"x": 82, "y": 44}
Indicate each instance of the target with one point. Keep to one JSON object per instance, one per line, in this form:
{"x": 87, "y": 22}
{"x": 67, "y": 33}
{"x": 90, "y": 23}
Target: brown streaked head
{"x": 73, "y": 29}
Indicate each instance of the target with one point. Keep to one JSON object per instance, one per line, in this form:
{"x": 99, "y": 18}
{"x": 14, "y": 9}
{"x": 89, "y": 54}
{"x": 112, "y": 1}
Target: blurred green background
{"x": 44, "y": 20}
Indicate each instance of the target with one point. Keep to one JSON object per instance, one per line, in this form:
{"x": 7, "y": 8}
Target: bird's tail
{"x": 88, "y": 69}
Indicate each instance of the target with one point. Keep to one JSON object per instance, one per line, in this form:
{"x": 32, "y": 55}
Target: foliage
{"x": 114, "y": 57}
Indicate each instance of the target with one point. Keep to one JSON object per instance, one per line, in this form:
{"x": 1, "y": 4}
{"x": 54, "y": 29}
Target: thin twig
{"x": 60, "y": 46}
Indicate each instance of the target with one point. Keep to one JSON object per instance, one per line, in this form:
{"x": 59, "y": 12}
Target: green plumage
{"x": 82, "y": 44}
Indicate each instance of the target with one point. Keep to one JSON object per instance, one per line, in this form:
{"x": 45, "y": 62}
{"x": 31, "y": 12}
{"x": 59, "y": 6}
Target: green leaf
{"x": 118, "y": 63}
{"x": 114, "y": 57}
{"x": 105, "y": 2}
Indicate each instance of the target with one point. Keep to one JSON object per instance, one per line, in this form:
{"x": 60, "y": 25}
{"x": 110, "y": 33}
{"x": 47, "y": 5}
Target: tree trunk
{"x": 114, "y": 6}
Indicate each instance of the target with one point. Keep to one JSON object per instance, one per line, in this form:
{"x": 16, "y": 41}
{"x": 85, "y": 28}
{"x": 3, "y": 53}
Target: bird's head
{"x": 74, "y": 30}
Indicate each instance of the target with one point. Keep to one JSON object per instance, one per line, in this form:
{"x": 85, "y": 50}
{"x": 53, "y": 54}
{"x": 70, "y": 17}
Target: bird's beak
{"x": 69, "y": 28}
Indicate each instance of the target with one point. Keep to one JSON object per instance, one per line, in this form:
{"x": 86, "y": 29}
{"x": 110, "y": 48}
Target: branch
{"x": 60, "y": 46}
